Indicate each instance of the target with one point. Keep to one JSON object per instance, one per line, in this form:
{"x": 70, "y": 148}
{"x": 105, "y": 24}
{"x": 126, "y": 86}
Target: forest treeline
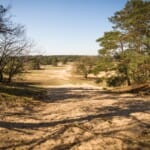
{"x": 125, "y": 50}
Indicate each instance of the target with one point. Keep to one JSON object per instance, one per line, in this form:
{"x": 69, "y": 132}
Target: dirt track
{"x": 79, "y": 117}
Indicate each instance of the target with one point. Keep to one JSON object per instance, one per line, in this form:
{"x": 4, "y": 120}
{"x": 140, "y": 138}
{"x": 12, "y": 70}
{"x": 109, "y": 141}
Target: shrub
{"x": 116, "y": 80}
{"x": 99, "y": 80}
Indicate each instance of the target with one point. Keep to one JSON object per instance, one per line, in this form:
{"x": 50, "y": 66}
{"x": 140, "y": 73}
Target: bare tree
{"x": 15, "y": 49}
{"x": 3, "y": 29}
{"x": 4, "y": 23}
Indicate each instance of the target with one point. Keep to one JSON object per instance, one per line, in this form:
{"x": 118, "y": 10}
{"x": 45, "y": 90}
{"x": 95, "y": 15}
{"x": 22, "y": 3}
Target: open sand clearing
{"x": 78, "y": 117}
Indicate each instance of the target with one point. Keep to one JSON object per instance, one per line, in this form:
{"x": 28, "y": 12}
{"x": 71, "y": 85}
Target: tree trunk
{"x": 1, "y": 76}
{"x": 122, "y": 48}
{"x": 85, "y": 75}
{"x": 128, "y": 81}
{"x": 10, "y": 78}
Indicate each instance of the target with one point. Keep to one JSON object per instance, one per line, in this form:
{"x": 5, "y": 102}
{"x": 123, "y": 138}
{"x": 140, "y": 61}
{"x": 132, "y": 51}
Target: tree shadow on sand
{"x": 24, "y": 89}
{"x": 52, "y": 95}
{"x": 105, "y": 113}
{"x": 48, "y": 95}
{"x": 121, "y": 109}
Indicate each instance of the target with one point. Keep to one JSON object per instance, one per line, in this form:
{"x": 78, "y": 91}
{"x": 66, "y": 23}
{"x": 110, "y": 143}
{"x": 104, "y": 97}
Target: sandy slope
{"x": 79, "y": 117}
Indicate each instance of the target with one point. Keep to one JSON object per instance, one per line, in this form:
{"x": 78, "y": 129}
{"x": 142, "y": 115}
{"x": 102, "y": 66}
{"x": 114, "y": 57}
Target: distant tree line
{"x": 35, "y": 62}
{"x": 126, "y": 49}
{"x": 55, "y": 59}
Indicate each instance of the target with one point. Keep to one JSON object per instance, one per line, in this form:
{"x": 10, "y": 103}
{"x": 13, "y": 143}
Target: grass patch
{"x": 19, "y": 95}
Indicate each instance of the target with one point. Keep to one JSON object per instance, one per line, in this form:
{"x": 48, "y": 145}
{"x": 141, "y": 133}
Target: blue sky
{"x": 64, "y": 26}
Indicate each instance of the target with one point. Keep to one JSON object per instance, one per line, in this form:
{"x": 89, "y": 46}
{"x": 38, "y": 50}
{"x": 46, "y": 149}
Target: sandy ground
{"x": 50, "y": 76}
{"x": 78, "y": 117}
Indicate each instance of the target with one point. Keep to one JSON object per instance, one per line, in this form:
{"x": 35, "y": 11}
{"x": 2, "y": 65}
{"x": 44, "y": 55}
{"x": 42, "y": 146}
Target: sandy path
{"x": 80, "y": 117}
